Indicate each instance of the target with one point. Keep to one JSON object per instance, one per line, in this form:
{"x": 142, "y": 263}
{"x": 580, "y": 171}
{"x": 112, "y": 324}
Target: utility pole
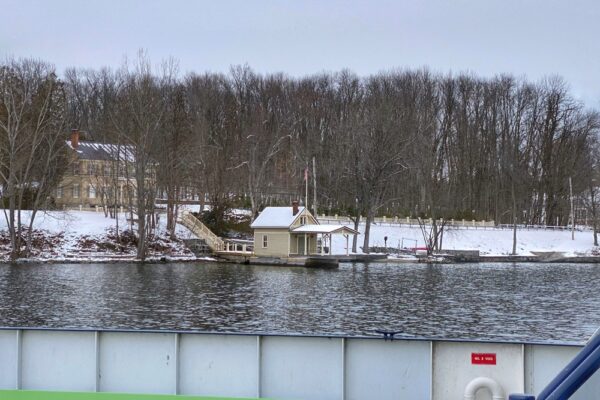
{"x": 572, "y": 211}
{"x": 314, "y": 188}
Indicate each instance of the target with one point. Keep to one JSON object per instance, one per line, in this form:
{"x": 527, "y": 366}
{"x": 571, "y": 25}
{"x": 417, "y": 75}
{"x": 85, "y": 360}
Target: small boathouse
{"x": 294, "y": 232}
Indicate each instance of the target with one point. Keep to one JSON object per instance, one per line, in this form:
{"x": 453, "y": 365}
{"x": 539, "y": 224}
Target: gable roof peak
{"x": 277, "y": 217}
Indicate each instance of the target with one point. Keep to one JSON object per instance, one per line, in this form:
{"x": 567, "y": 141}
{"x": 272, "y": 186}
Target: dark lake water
{"x": 529, "y": 302}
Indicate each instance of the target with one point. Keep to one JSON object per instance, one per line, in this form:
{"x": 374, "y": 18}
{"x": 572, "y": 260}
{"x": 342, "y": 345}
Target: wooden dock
{"x": 311, "y": 261}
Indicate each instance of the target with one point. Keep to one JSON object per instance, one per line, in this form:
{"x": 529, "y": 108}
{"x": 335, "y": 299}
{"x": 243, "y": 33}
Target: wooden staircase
{"x": 214, "y": 242}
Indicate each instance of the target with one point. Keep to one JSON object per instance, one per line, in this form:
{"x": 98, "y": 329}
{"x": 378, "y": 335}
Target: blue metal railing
{"x": 573, "y": 376}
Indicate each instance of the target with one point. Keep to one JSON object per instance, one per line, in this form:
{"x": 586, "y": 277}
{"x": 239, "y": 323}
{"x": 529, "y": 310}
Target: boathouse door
{"x": 300, "y": 239}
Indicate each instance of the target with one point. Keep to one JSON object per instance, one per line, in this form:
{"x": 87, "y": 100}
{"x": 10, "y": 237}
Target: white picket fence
{"x": 390, "y": 221}
{"x": 459, "y": 224}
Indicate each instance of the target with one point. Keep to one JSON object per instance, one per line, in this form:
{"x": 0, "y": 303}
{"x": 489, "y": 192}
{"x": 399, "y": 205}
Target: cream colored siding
{"x": 94, "y": 178}
{"x": 309, "y": 219}
{"x": 293, "y": 244}
{"x": 281, "y": 242}
{"x": 277, "y": 242}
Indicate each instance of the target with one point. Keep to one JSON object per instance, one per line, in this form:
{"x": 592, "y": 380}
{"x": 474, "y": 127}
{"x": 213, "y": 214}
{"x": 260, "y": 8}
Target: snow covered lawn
{"x": 74, "y": 235}
{"x": 487, "y": 241}
{"x": 86, "y": 235}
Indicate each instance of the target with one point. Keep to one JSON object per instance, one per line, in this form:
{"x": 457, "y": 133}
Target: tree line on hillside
{"x": 404, "y": 142}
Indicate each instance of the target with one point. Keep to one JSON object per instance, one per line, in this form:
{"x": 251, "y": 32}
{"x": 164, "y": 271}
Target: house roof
{"x": 103, "y": 151}
{"x": 276, "y": 217}
{"x": 324, "y": 229}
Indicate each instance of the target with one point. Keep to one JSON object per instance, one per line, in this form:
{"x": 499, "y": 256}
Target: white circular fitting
{"x": 483, "y": 382}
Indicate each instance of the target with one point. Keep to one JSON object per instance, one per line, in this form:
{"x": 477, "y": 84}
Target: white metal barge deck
{"x": 282, "y": 367}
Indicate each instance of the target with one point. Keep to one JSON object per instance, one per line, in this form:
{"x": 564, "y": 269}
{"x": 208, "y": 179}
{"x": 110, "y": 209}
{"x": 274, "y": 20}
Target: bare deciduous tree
{"x": 32, "y": 153}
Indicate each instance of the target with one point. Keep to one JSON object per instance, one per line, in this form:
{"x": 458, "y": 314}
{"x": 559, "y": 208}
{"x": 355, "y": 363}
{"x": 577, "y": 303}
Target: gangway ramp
{"x": 214, "y": 242}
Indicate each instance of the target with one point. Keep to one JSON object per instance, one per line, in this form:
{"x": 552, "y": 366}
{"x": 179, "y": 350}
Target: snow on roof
{"x": 104, "y": 151}
{"x": 324, "y": 229}
{"x": 276, "y": 217}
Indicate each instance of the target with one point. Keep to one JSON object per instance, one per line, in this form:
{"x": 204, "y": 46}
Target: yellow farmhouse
{"x": 293, "y": 231}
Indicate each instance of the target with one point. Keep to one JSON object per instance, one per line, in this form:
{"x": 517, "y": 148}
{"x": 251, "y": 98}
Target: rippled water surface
{"x": 537, "y": 302}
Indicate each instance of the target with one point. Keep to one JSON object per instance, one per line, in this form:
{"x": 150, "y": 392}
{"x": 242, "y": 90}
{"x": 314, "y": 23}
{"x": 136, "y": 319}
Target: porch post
{"x": 305, "y": 244}
{"x": 347, "y": 250}
{"x": 323, "y": 243}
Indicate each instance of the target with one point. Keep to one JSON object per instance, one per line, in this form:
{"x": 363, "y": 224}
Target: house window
{"x": 59, "y": 192}
{"x": 76, "y": 191}
{"x": 91, "y": 192}
{"x": 76, "y": 168}
{"x": 302, "y": 220}
{"x": 91, "y": 168}
{"x": 265, "y": 241}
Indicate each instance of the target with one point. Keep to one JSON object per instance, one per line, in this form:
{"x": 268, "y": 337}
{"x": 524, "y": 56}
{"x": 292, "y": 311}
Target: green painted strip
{"x": 39, "y": 395}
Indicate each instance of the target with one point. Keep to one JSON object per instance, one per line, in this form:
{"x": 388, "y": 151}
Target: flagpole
{"x": 314, "y": 188}
{"x": 306, "y": 181}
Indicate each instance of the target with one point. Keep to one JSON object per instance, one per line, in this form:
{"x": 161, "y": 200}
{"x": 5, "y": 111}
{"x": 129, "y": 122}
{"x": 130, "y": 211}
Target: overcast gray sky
{"x": 532, "y": 38}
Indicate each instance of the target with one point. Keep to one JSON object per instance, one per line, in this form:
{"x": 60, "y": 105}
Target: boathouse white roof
{"x": 276, "y": 217}
{"x": 324, "y": 229}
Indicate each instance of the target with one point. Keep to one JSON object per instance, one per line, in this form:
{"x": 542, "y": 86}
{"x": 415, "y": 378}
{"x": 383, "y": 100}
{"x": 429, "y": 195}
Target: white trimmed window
{"x": 91, "y": 192}
{"x": 302, "y": 220}
{"x": 59, "y": 192}
{"x": 76, "y": 191}
{"x": 265, "y": 241}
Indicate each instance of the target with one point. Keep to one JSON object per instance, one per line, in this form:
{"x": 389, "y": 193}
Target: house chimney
{"x": 295, "y": 207}
{"x": 75, "y": 138}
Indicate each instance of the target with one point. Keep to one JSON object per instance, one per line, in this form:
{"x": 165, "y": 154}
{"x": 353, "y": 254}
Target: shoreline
{"x": 440, "y": 260}
{"x": 109, "y": 260}
{"x": 501, "y": 259}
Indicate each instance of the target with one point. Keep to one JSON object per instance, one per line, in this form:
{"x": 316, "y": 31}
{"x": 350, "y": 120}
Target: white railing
{"x": 544, "y": 227}
{"x": 238, "y": 246}
{"x": 188, "y": 220}
{"x": 328, "y": 219}
{"x": 466, "y": 224}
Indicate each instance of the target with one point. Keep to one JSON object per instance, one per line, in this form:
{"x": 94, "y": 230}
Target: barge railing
{"x": 275, "y": 366}
{"x": 573, "y": 376}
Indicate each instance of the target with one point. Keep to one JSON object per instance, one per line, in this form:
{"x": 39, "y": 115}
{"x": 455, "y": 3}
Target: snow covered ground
{"x": 73, "y": 226}
{"x": 487, "y": 241}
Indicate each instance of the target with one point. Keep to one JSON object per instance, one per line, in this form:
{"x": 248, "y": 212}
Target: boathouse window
{"x": 302, "y": 220}
{"x": 265, "y": 241}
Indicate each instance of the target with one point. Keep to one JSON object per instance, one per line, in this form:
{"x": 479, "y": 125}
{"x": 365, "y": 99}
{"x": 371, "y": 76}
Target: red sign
{"x": 483, "y": 358}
